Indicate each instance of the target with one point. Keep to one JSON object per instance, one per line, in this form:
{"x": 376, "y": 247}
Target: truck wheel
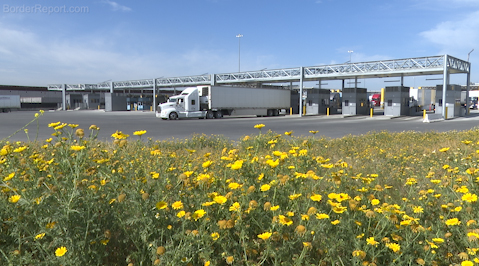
{"x": 210, "y": 115}
{"x": 275, "y": 112}
{"x": 173, "y": 116}
{"x": 218, "y": 114}
{"x": 269, "y": 112}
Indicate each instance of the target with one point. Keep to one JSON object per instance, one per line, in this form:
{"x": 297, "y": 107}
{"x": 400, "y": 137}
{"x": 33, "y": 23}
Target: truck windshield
{"x": 172, "y": 100}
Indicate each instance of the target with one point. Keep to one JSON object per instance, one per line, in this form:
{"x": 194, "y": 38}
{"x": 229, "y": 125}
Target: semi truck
{"x": 9, "y": 102}
{"x": 376, "y": 99}
{"x": 216, "y": 101}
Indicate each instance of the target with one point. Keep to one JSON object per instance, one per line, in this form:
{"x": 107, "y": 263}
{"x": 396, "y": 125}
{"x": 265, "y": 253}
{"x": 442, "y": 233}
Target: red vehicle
{"x": 376, "y": 99}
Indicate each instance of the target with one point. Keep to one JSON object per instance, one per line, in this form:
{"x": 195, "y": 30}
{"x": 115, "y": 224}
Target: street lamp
{"x": 469, "y": 54}
{"x": 350, "y": 52}
{"x": 239, "y": 51}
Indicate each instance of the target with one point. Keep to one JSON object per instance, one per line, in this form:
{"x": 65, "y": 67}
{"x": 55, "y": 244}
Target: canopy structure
{"x": 419, "y": 66}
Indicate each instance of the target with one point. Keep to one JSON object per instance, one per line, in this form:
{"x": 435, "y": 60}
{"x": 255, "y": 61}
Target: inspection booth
{"x": 74, "y": 101}
{"x": 91, "y": 101}
{"x": 317, "y": 101}
{"x": 396, "y": 101}
{"x": 454, "y": 104}
{"x": 355, "y": 101}
{"x": 115, "y": 102}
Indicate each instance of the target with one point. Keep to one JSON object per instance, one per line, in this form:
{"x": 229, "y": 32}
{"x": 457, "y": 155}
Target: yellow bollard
{"x": 151, "y": 108}
{"x": 327, "y": 111}
{"x": 371, "y": 112}
{"x": 98, "y": 107}
{"x": 290, "y": 110}
{"x": 304, "y": 109}
{"x": 424, "y": 114}
{"x": 445, "y": 115}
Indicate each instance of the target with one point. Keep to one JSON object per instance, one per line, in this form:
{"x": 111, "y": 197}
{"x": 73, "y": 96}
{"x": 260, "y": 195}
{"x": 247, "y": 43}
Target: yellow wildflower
{"x": 234, "y": 185}
{"x": 8, "y": 177}
{"x": 321, "y": 216}
{"x": 60, "y": 251}
{"x": 215, "y": 236}
{"x": 161, "y": 205}
{"x": 77, "y": 148}
{"x": 469, "y": 197}
{"x": 316, "y": 197}
{"x": 220, "y": 199}
{"x": 206, "y": 164}
{"x": 39, "y": 236}
{"x": 394, "y": 247}
{"x": 139, "y": 133}
{"x": 371, "y": 241}
{"x": 265, "y": 187}
{"x": 14, "y": 198}
{"x": 235, "y": 207}
{"x": 294, "y": 196}
{"x": 199, "y": 214}
{"x": 177, "y": 205}
{"x": 453, "y": 221}
{"x": 265, "y": 235}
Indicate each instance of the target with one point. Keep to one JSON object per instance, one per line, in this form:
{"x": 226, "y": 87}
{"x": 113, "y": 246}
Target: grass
{"x": 268, "y": 199}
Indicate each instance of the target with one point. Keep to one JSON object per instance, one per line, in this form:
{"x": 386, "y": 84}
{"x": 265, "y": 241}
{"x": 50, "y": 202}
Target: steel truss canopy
{"x": 431, "y": 65}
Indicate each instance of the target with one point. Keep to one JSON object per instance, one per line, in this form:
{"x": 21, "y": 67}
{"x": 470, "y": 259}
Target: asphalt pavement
{"x": 234, "y": 128}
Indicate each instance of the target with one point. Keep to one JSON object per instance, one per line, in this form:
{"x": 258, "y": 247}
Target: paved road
{"x": 333, "y": 126}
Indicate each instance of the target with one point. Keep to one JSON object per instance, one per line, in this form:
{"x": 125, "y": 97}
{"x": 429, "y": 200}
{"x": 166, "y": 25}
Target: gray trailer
{"x": 217, "y": 101}
{"x": 9, "y": 102}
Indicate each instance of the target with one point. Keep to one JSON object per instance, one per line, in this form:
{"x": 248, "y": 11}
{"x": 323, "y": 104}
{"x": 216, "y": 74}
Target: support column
{"x": 402, "y": 80}
{"x": 213, "y": 80}
{"x": 468, "y": 87}
{"x": 445, "y": 83}
{"x": 301, "y": 75}
{"x": 64, "y": 97}
{"x": 154, "y": 95}
{"x": 111, "y": 86}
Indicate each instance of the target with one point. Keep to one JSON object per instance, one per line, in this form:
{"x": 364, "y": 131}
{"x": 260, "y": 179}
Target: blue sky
{"x": 96, "y": 40}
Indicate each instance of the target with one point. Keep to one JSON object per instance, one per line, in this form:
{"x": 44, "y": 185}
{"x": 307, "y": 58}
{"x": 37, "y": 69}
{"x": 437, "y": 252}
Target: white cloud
{"x": 115, "y": 6}
{"x": 455, "y": 35}
{"x": 27, "y": 58}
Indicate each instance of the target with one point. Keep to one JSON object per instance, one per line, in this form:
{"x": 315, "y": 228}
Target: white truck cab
{"x": 185, "y": 105}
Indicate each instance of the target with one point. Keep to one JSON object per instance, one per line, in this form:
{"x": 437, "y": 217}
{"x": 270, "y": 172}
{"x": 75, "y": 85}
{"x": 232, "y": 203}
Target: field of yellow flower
{"x": 268, "y": 199}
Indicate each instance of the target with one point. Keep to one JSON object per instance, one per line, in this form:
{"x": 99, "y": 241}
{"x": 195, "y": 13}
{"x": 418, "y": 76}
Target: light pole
{"x": 350, "y": 52}
{"x": 469, "y": 54}
{"x": 239, "y": 51}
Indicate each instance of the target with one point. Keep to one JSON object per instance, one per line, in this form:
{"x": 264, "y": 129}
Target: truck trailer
{"x": 9, "y": 102}
{"x": 216, "y": 101}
